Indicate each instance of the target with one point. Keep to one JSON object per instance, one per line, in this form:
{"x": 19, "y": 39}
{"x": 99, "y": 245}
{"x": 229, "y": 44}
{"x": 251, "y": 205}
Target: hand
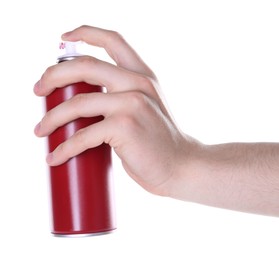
{"x": 136, "y": 121}
{"x": 153, "y": 150}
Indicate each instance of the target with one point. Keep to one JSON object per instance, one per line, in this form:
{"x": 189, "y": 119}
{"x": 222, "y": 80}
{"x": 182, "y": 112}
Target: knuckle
{"x": 147, "y": 85}
{"x": 73, "y": 146}
{"x": 80, "y": 104}
{"x": 145, "y": 82}
{"x": 80, "y": 139}
{"x": 85, "y": 64}
{"x": 127, "y": 124}
{"x": 63, "y": 150}
{"x": 114, "y": 36}
{"x": 48, "y": 73}
{"x": 84, "y": 27}
{"x": 78, "y": 99}
{"x": 137, "y": 101}
{"x": 85, "y": 61}
{"x": 47, "y": 119}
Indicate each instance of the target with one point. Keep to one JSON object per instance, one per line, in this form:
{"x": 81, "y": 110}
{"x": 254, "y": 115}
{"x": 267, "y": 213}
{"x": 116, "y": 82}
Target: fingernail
{"x": 37, "y": 128}
{"x": 37, "y": 85}
{"x": 49, "y": 158}
{"x": 64, "y": 36}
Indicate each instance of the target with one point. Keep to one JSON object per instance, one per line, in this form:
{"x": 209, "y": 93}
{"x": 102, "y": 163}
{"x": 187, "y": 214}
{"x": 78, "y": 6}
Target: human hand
{"x": 136, "y": 121}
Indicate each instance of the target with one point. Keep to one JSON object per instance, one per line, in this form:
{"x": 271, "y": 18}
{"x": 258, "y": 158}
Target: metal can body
{"x": 81, "y": 188}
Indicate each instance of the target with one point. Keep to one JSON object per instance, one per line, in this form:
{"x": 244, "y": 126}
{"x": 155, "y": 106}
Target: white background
{"x": 217, "y": 62}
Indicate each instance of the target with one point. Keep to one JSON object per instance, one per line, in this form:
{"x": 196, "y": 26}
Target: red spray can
{"x": 82, "y": 199}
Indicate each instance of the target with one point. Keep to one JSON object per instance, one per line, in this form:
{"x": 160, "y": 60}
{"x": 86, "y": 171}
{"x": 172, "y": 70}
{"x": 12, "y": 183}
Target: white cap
{"x": 68, "y": 50}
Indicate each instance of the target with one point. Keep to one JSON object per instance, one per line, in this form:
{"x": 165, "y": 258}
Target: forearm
{"x": 237, "y": 176}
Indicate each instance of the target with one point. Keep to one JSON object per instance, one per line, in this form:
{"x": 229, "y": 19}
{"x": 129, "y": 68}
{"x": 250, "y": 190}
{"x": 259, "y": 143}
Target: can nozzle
{"x": 68, "y": 50}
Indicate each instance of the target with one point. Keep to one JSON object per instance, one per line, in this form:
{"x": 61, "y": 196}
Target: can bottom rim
{"x": 83, "y": 234}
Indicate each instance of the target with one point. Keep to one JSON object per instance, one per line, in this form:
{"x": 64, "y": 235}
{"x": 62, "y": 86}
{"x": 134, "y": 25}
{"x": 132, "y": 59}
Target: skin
{"x": 137, "y": 122}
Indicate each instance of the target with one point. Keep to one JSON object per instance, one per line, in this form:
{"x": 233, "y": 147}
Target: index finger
{"x": 114, "y": 44}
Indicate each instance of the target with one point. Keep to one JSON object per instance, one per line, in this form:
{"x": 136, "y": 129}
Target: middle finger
{"x": 91, "y": 105}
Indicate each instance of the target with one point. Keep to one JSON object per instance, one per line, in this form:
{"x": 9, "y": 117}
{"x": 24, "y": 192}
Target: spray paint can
{"x": 82, "y": 199}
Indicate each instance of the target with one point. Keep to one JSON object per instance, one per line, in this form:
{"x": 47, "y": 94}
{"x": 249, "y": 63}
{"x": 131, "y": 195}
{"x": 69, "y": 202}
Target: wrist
{"x": 189, "y": 164}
